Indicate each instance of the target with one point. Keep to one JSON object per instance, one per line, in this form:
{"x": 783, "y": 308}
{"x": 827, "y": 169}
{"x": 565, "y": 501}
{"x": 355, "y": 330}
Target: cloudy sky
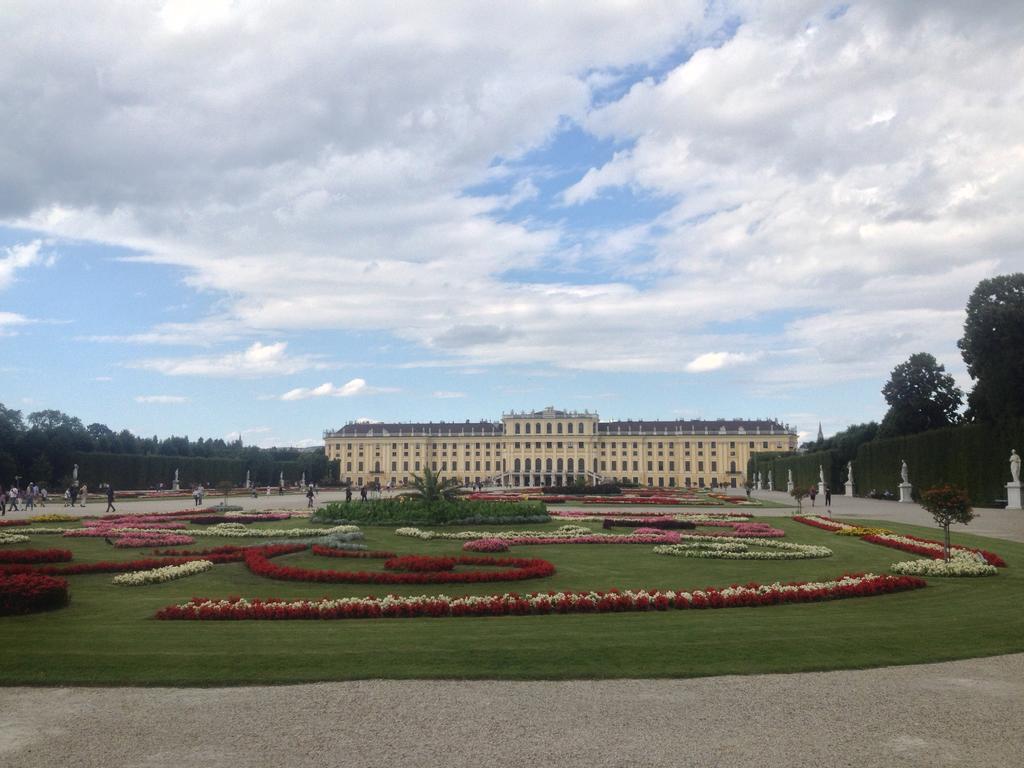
{"x": 271, "y": 218}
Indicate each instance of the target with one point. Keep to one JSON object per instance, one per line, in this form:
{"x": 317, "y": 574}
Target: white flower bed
{"x": 714, "y": 548}
{"x": 239, "y": 531}
{"x": 563, "y": 532}
{"x": 961, "y": 563}
{"x": 160, "y": 575}
{"x": 12, "y": 538}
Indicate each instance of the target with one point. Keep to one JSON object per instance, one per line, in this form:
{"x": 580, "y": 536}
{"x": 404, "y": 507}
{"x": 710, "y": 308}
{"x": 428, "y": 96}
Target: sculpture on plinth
{"x": 1013, "y": 488}
{"x": 906, "y": 489}
{"x": 177, "y": 485}
{"x": 789, "y": 481}
{"x": 849, "y": 478}
{"x": 821, "y": 480}
{"x": 771, "y": 481}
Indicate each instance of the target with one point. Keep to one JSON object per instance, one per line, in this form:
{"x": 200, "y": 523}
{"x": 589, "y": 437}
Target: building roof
{"x": 627, "y": 427}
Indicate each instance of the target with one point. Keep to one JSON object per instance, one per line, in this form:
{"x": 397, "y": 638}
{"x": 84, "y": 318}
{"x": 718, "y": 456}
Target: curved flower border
{"x": 541, "y": 603}
{"x": 712, "y": 548}
{"x": 160, "y": 575}
{"x": 516, "y": 569}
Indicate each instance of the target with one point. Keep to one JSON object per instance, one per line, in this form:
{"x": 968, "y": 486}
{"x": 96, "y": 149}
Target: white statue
{"x": 303, "y": 483}
{"x": 1014, "y": 465}
{"x": 282, "y": 479}
{"x": 175, "y": 476}
{"x": 74, "y": 474}
{"x": 849, "y": 473}
{"x": 789, "y": 476}
{"x": 247, "y": 484}
{"x": 771, "y": 482}
{"x": 821, "y": 475}
{"x": 904, "y": 472}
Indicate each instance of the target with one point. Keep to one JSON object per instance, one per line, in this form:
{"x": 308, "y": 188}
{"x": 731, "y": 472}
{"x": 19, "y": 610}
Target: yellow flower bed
{"x": 53, "y": 517}
{"x": 858, "y": 531}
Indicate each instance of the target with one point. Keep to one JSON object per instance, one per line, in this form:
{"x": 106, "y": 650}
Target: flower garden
{"x": 641, "y": 592}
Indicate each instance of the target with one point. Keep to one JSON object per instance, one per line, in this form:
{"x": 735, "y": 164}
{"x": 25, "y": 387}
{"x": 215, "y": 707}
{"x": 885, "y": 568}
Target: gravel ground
{"x": 964, "y": 713}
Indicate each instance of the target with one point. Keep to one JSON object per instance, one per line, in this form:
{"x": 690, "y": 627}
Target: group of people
{"x": 15, "y": 499}
{"x": 33, "y": 495}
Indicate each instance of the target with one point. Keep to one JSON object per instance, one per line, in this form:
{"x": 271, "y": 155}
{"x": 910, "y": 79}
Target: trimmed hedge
{"x": 805, "y": 469}
{"x": 975, "y": 457}
{"x": 131, "y": 471}
{"x": 411, "y": 511}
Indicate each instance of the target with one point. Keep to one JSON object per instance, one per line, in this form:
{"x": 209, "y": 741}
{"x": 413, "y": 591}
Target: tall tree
{"x": 993, "y": 348}
{"x": 921, "y": 396}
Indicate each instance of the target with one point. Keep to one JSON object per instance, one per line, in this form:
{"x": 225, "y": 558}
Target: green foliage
{"x": 432, "y": 488}
{"x": 947, "y": 504}
{"x": 417, "y": 511}
{"x": 804, "y": 466}
{"x": 130, "y": 472}
{"x": 921, "y": 396}
{"x": 974, "y": 457}
{"x": 992, "y": 347}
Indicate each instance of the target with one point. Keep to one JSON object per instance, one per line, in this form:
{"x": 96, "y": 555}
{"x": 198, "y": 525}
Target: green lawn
{"x": 107, "y": 636}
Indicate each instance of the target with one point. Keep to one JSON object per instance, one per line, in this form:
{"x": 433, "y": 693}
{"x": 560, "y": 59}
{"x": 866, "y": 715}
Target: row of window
{"x": 558, "y": 428}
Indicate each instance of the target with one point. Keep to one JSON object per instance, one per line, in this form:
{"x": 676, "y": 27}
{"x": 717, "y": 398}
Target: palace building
{"x": 554, "y": 447}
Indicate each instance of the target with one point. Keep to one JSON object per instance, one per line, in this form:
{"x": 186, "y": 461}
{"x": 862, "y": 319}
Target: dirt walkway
{"x": 964, "y": 713}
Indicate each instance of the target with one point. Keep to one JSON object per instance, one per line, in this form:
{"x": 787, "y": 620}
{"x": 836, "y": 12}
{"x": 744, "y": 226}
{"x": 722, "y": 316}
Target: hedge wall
{"x": 136, "y": 472}
{"x": 972, "y": 456}
{"x": 804, "y": 466}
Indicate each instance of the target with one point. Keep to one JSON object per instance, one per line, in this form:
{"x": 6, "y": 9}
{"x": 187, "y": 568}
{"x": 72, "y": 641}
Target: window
{"x": 714, "y": 466}
{"x": 517, "y": 428}
{"x": 405, "y": 466}
{"x": 538, "y": 427}
{"x": 348, "y": 466}
{"x": 603, "y": 467}
{"x": 636, "y": 468}
{"x": 548, "y": 445}
{"x": 547, "y": 465}
{"x": 764, "y": 444}
{"x": 671, "y": 466}
{"x": 732, "y": 445}
{"x": 686, "y": 467}
{"x": 581, "y": 428}
{"x": 528, "y": 432}
{"x": 394, "y": 466}
{"x": 559, "y": 430}
{"x": 650, "y": 466}
{"x": 732, "y": 466}
{"x": 700, "y": 467}
{"x": 569, "y": 427}
{"x": 613, "y": 465}
{"x": 467, "y": 466}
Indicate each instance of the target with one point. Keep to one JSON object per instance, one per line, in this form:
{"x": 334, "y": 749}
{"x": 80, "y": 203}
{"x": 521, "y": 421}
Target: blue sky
{"x": 214, "y": 222}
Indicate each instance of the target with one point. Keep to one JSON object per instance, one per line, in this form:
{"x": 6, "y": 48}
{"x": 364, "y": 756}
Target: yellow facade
{"x": 555, "y": 447}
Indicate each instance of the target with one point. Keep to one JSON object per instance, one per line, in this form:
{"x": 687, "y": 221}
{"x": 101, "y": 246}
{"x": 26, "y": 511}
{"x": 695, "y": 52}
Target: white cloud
{"x": 712, "y": 361}
{"x": 844, "y": 169}
{"x": 328, "y": 389}
{"x": 161, "y": 399}
{"x": 23, "y": 256}
{"x": 256, "y": 360}
{"x": 447, "y": 395}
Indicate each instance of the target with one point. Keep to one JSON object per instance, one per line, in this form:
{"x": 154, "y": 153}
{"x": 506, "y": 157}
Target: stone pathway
{"x": 964, "y": 713}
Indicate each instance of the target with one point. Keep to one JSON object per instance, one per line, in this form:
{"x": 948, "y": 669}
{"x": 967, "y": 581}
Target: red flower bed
{"x": 9, "y": 523}
{"x": 35, "y": 556}
{"x": 420, "y": 563}
{"x": 320, "y": 549}
{"x": 31, "y": 592}
{"x": 814, "y": 523}
{"x": 151, "y": 562}
{"x": 537, "y": 603}
{"x": 516, "y": 569}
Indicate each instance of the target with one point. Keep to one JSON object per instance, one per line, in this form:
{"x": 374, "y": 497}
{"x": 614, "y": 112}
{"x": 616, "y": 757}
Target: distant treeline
{"x": 44, "y": 447}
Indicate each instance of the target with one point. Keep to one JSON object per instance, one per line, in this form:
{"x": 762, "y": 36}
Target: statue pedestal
{"x": 1013, "y": 496}
{"x": 771, "y": 486}
{"x": 175, "y": 487}
{"x": 905, "y": 497}
{"x": 821, "y": 489}
{"x": 789, "y": 487}
{"x": 849, "y": 489}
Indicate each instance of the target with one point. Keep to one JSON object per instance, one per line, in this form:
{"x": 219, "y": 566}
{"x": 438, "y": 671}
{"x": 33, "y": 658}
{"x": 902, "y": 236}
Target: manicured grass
{"x": 108, "y": 636}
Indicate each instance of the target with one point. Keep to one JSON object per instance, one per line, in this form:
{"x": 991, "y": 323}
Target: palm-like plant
{"x": 433, "y": 488}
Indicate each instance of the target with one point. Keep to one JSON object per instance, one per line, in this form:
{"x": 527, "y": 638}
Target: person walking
{"x": 110, "y": 498}
{"x": 30, "y": 498}
{"x": 362, "y": 493}
{"x": 813, "y": 494}
{"x": 309, "y": 497}
{"x": 828, "y": 498}
{"x": 12, "y": 498}
{"x": 83, "y": 495}
{"x": 3, "y": 502}
{"x": 348, "y": 493}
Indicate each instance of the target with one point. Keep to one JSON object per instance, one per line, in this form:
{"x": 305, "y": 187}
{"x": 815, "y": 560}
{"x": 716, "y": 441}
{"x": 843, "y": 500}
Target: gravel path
{"x": 964, "y": 713}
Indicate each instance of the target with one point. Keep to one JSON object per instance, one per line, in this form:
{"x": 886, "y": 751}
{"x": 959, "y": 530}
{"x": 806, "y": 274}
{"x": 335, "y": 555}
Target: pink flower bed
{"x": 170, "y": 540}
{"x": 661, "y": 537}
{"x": 485, "y": 545}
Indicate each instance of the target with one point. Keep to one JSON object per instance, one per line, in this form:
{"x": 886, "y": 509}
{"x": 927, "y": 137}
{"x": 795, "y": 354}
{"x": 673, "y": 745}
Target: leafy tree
{"x": 847, "y": 442}
{"x": 948, "y": 504}
{"x": 432, "y": 488}
{"x": 921, "y": 396}
{"x": 991, "y": 345}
